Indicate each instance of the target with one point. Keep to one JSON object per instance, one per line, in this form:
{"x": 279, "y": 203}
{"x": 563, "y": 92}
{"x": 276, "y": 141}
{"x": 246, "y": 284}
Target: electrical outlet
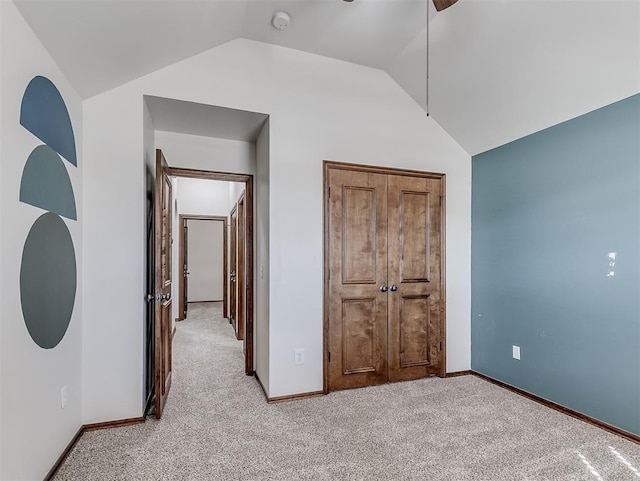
{"x": 516, "y": 352}
{"x": 63, "y": 397}
{"x": 298, "y": 357}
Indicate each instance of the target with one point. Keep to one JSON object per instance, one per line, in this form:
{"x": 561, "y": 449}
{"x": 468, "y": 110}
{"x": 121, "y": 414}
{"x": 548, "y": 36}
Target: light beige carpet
{"x": 217, "y": 426}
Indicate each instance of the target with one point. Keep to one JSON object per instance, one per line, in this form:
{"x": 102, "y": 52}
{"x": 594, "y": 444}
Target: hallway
{"x": 203, "y": 424}
{"x": 217, "y": 426}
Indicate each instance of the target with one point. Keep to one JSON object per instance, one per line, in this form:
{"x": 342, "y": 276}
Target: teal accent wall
{"x": 546, "y": 212}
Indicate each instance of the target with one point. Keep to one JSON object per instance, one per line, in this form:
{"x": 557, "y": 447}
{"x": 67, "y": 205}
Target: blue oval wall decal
{"x": 45, "y": 183}
{"x": 44, "y": 114}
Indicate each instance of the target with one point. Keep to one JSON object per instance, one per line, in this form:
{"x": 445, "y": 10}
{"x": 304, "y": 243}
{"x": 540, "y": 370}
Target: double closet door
{"x": 385, "y": 276}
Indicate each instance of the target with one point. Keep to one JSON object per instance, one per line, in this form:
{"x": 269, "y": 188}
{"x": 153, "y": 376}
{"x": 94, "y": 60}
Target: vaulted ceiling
{"x": 499, "y": 69}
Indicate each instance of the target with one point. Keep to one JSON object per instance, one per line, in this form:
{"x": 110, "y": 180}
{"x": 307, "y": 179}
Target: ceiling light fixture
{"x": 281, "y": 20}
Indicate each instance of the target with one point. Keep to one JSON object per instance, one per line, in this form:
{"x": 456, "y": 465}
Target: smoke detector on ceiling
{"x": 281, "y": 20}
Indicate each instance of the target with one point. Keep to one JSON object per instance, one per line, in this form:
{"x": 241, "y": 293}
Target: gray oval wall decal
{"x": 48, "y": 280}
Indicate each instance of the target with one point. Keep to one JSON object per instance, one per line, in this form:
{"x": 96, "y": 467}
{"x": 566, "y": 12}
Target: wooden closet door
{"x": 357, "y": 253}
{"x": 233, "y": 261}
{"x": 240, "y": 271}
{"x": 414, "y": 258}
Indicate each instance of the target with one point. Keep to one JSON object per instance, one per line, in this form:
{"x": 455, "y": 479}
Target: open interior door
{"x": 163, "y": 331}
{"x": 185, "y": 268}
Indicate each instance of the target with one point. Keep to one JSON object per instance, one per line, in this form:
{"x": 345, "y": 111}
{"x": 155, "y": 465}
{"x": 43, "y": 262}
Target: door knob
{"x": 384, "y": 288}
{"x": 393, "y": 288}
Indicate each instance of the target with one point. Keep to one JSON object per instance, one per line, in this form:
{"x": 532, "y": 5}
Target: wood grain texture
{"x": 415, "y": 310}
{"x": 458, "y": 374}
{"x": 233, "y": 266}
{"x": 249, "y": 369}
{"x": 163, "y": 324}
{"x": 359, "y": 235}
{"x": 118, "y": 423}
{"x": 367, "y": 246}
{"x": 241, "y": 271}
{"x": 357, "y": 263}
{"x": 183, "y": 279}
{"x": 331, "y": 165}
{"x": 295, "y": 397}
{"x": 442, "y": 4}
{"x": 225, "y": 268}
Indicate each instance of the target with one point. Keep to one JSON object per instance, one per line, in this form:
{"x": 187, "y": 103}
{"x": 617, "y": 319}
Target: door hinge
{"x": 329, "y": 192}
{"x": 441, "y": 345}
{"x": 328, "y": 357}
{"x": 440, "y": 200}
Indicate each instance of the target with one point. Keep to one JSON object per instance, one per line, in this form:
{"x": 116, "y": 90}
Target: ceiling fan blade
{"x": 442, "y": 4}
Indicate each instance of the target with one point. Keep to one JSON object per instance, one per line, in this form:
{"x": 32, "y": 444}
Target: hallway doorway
{"x": 249, "y": 274}
{"x": 160, "y": 352}
{"x": 202, "y": 261}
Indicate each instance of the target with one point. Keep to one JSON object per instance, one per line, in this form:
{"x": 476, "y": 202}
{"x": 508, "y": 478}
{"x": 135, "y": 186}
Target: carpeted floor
{"x": 217, "y": 426}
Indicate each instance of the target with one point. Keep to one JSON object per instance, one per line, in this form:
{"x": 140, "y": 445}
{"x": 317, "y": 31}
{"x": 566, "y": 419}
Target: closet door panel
{"x": 414, "y": 263}
{"x": 357, "y": 253}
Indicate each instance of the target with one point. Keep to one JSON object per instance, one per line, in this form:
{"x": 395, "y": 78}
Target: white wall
{"x": 35, "y": 430}
{"x": 203, "y": 197}
{"x": 319, "y": 109}
{"x": 261, "y": 236}
{"x": 207, "y": 153}
{"x": 235, "y": 191}
{"x": 205, "y": 260}
{"x": 114, "y": 258}
{"x": 1, "y": 176}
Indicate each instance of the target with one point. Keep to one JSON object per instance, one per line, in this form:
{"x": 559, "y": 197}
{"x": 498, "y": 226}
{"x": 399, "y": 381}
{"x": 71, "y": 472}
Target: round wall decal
{"x": 48, "y": 280}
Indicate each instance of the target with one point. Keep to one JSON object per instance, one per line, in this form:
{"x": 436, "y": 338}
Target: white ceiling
{"x": 499, "y": 69}
{"x": 104, "y": 43}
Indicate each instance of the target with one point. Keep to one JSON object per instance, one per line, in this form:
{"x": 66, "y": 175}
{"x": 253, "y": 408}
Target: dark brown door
{"x": 414, "y": 254}
{"x": 240, "y": 273}
{"x": 184, "y": 299}
{"x": 225, "y": 269}
{"x": 385, "y": 306}
{"x": 233, "y": 266}
{"x": 357, "y": 279}
{"x": 162, "y": 230}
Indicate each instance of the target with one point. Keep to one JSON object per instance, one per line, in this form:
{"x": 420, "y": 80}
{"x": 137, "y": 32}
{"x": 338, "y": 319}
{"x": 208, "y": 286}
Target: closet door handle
{"x": 384, "y": 288}
{"x": 393, "y": 288}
